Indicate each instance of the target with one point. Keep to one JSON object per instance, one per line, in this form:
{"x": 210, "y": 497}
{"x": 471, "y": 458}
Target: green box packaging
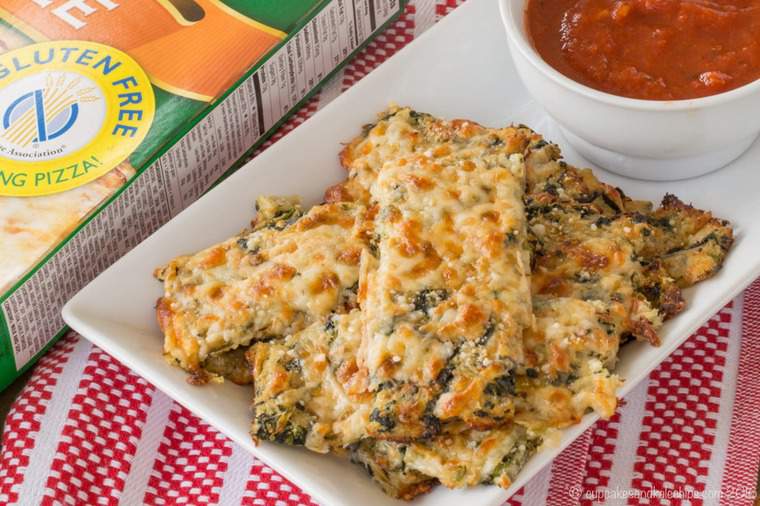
{"x": 115, "y": 115}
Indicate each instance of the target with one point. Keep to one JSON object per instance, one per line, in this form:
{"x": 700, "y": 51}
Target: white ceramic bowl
{"x": 643, "y": 139}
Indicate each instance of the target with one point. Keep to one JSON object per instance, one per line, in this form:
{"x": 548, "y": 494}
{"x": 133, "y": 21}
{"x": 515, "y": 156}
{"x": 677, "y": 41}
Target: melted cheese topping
{"x": 386, "y": 463}
{"x": 593, "y": 243}
{"x": 474, "y": 457}
{"x": 262, "y": 284}
{"x": 310, "y": 391}
{"x": 308, "y": 386}
{"x": 404, "y": 134}
{"x": 569, "y": 353}
{"x": 448, "y": 295}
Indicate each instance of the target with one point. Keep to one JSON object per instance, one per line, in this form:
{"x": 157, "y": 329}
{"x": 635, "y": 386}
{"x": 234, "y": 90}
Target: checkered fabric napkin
{"x": 86, "y": 430}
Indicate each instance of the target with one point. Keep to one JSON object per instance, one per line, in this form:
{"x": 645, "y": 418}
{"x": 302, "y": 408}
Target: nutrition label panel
{"x": 190, "y": 167}
{"x": 313, "y": 53}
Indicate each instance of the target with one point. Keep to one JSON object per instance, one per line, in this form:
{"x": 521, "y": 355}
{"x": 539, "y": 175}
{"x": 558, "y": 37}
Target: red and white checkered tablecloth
{"x": 86, "y": 430}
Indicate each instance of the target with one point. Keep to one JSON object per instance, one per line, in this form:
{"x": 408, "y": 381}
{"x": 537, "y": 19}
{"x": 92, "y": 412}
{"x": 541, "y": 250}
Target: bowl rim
{"x": 515, "y": 32}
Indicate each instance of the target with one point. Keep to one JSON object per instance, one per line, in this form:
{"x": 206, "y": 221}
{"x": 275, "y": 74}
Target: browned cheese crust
{"x": 273, "y": 280}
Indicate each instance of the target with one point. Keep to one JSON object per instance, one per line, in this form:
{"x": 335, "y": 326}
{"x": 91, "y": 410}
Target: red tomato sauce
{"x": 650, "y": 49}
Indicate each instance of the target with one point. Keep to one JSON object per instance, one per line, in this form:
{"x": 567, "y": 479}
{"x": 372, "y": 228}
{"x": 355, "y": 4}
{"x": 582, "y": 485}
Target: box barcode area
{"x": 181, "y": 175}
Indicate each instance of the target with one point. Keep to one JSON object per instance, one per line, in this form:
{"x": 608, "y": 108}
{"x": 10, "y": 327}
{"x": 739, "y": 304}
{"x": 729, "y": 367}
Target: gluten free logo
{"x": 70, "y": 111}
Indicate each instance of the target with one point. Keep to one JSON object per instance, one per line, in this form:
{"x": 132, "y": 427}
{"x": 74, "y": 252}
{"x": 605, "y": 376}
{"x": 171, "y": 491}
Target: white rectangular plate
{"x": 459, "y": 68}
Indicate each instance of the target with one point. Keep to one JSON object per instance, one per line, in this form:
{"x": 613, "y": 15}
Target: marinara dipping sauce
{"x": 650, "y": 49}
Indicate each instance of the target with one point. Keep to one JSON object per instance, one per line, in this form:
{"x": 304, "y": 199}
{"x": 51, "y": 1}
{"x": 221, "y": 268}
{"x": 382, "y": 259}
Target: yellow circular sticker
{"x": 70, "y": 111}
